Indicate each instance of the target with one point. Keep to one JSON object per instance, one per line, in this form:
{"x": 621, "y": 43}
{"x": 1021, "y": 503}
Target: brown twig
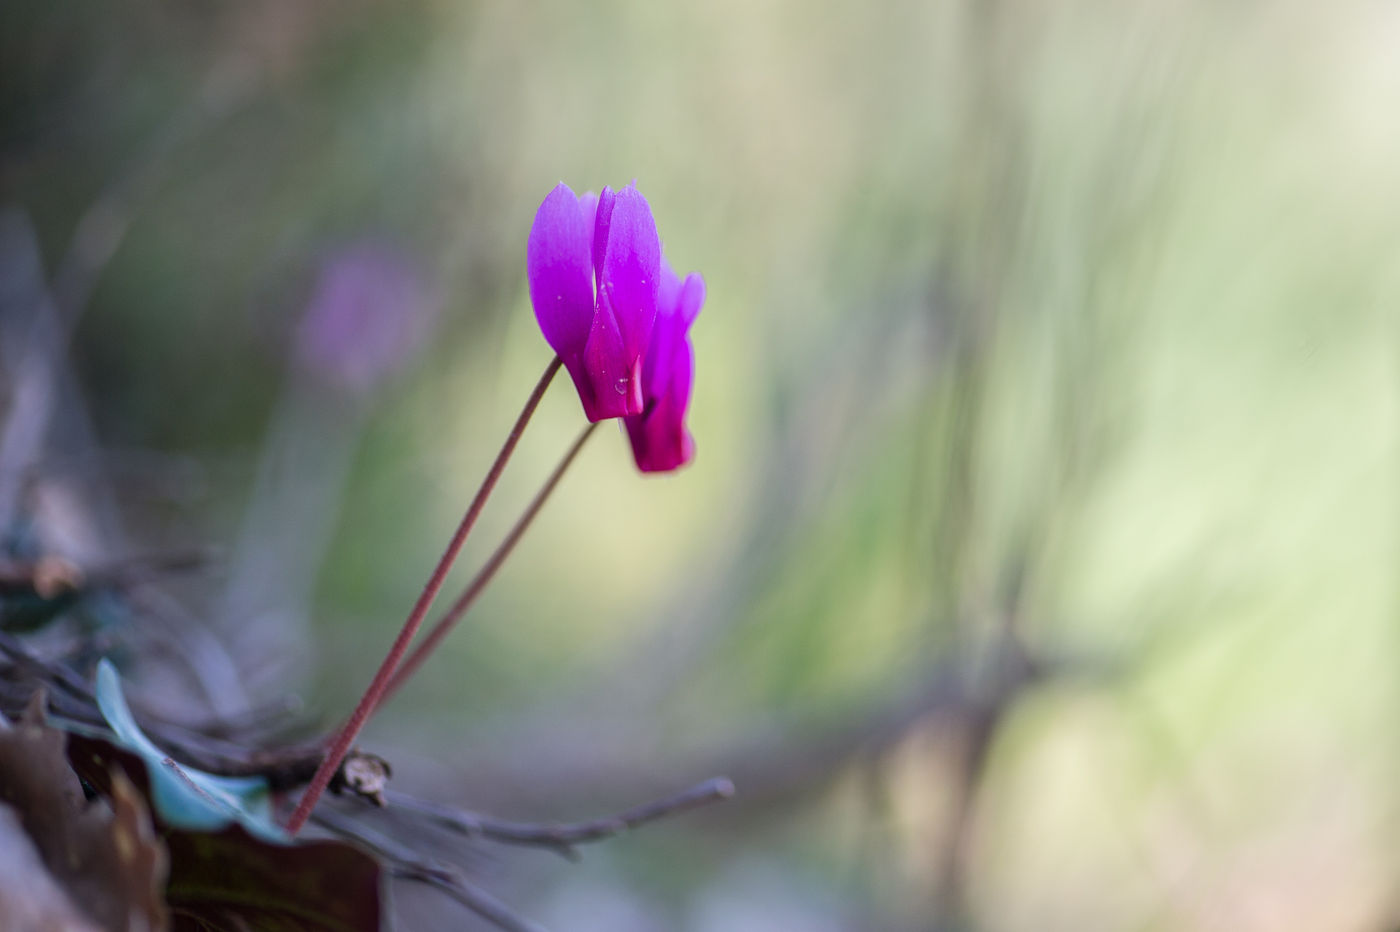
{"x": 407, "y": 864}
{"x": 563, "y": 836}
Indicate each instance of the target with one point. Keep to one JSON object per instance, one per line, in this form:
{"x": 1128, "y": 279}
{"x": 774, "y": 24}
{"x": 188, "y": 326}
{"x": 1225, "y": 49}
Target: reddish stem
{"x": 341, "y": 745}
{"x": 483, "y": 577}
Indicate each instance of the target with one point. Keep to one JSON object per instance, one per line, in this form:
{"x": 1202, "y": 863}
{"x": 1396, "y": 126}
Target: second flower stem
{"x": 484, "y": 575}
{"x": 347, "y": 734}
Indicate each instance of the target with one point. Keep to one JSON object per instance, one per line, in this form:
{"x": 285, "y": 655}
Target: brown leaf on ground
{"x": 229, "y": 881}
{"x": 30, "y": 899}
{"x": 108, "y": 860}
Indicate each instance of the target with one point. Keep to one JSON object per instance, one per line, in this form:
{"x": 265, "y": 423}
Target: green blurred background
{"x": 1036, "y": 570}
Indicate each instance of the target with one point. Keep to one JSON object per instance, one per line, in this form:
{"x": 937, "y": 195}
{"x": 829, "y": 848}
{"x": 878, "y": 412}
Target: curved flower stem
{"x": 484, "y": 575}
{"x": 370, "y": 699}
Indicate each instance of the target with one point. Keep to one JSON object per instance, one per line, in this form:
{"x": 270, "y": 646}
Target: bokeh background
{"x": 1037, "y": 567}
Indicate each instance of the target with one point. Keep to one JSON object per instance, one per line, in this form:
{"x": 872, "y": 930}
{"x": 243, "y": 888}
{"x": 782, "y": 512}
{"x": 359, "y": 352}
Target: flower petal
{"x": 602, "y": 222}
{"x": 631, "y": 267}
{"x": 614, "y": 385}
{"x": 677, "y": 306}
{"x": 558, "y": 263}
{"x": 691, "y": 299}
{"x": 588, "y": 200}
{"x": 666, "y": 337}
{"x": 668, "y": 291}
{"x": 660, "y": 440}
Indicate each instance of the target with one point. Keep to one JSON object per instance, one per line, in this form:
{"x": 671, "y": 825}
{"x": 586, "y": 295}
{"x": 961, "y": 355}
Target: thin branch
{"x": 56, "y": 674}
{"x": 563, "y": 836}
{"x": 405, "y": 863}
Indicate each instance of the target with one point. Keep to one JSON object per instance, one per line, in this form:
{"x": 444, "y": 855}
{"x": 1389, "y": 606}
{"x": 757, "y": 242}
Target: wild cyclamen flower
{"x": 660, "y": 440}
{"x": 593, "y": 264}
{"x": 618, "y": 317}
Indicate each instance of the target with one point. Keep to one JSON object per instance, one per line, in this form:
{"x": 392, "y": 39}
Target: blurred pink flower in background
{"x": 370, "y": 312}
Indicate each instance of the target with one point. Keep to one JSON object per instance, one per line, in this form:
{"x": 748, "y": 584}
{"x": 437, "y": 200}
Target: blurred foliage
{"x": 1068, "y": 326}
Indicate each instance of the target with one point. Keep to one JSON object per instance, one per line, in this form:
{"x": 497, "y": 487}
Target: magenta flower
{"x": 593, "y": 263}
{"x": 660, "y": 440}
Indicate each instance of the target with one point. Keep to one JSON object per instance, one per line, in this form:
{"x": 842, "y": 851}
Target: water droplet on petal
{"x": 621, "y": 386}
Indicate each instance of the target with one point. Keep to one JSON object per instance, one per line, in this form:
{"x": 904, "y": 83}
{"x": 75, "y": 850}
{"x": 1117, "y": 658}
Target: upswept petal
{"x": 682, "y": 377}
{"x": 630, "y": 267}
{"x": 675, "y": 298}
{"x": 666, "y": 338}
{"x": 558, "y": 263}
{"x": 660, "y": 440}
{"x": 677, "y": 306}
{"x": 588, "y": 200}
{"x": 692, "y": 298}
{"x": 602, "y": 223}
{"x": 668, "y": 288}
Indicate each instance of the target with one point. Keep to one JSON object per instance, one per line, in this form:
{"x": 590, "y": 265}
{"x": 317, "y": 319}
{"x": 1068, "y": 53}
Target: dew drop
{"x": 621, "y": 386}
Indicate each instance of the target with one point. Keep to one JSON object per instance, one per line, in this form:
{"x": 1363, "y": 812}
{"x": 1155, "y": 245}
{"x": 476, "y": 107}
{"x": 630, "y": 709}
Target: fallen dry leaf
{"x": 30, "y": 899}
{"x": 108, "y": 860}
